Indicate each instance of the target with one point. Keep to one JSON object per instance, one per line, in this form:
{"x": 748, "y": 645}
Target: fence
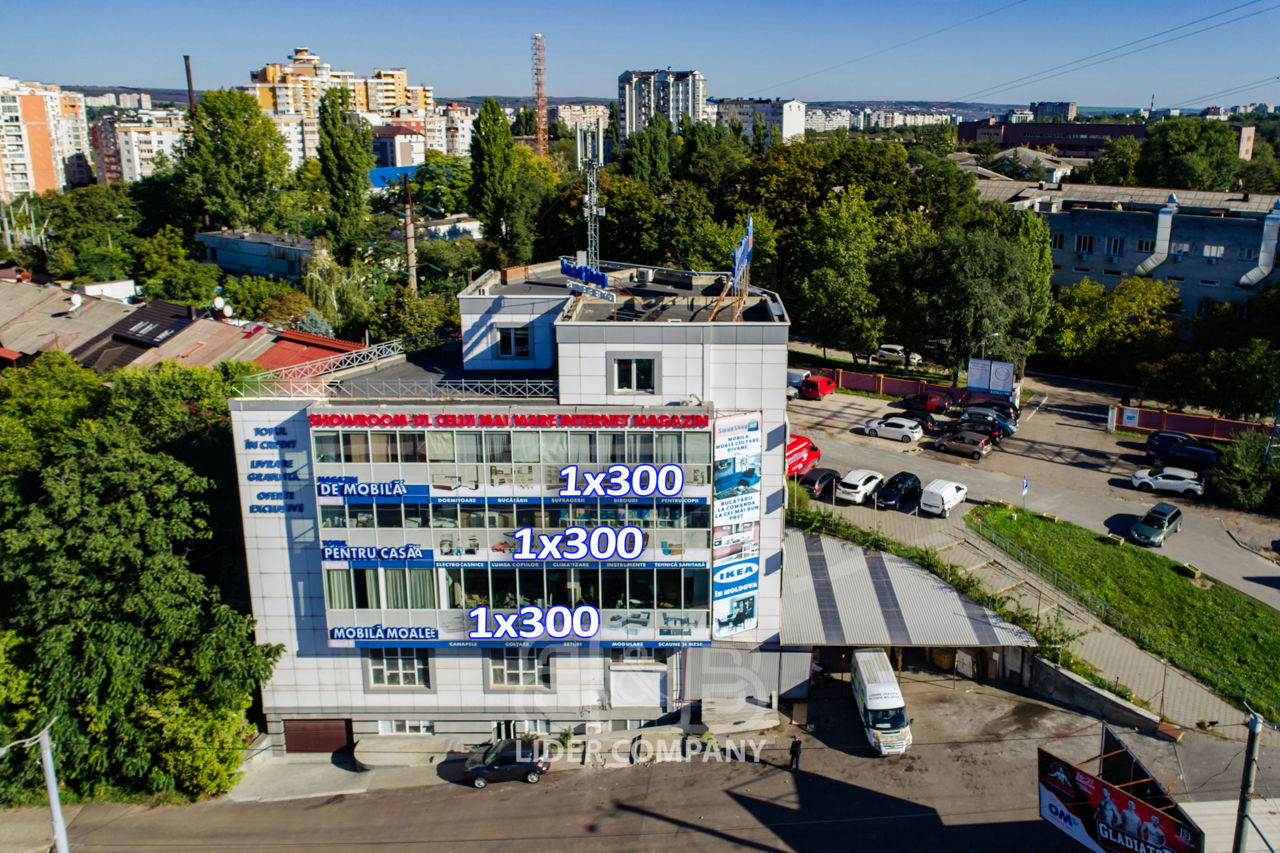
{"x": 1227, "y": 686}
{"x": 1201, "y": 426}
{"x": 878, "y": 383}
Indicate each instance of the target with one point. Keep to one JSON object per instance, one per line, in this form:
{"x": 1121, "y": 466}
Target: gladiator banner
{"x": 1103, "y": 818}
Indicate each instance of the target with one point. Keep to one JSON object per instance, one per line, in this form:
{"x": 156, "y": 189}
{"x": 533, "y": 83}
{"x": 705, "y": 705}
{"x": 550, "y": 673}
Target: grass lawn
{"x": 1227, "y": 629}
{"x": 801, "y": 358}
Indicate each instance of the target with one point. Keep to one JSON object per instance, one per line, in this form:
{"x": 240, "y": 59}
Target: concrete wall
{"x": 1053, "y": 682}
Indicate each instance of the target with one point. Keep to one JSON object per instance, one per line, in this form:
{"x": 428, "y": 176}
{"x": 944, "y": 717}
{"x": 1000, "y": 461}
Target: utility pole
{"x": 410, "y": 247}
{"x": 1246, "y": 784}
{"x": 50, "y": 782}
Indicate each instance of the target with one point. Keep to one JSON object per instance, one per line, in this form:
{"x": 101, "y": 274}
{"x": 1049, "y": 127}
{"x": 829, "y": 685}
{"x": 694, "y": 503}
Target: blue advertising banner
{"x": 584, "y": 274}
{"x": 742, "y": 256}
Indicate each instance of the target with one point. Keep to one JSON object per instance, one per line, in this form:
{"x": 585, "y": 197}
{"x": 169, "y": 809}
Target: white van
{"x": 941, "y": 496}
{"x": 881, "y": 711}
{"x": 795, "y": 376}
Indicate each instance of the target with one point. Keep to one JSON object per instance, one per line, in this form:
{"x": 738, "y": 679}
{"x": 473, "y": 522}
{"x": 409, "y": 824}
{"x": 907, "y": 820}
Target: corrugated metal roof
{"x": 1260, "y": 203}
{"x": 36, "y": 318}
{"x": 881, "y": 601}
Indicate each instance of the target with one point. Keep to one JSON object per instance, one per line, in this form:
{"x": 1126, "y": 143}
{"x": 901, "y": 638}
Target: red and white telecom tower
{"x": 540, "y": 96}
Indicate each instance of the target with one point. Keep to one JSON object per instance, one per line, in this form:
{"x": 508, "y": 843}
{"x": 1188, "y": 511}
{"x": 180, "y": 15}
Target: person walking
{"x": 795, "y": 754}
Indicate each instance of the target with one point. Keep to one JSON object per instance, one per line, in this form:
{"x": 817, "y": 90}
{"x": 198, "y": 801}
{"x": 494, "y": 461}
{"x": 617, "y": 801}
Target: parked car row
{"x": 903, "y": 491}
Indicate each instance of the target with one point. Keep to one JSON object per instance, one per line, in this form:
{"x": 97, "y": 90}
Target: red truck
{"x": 802, "y": 454}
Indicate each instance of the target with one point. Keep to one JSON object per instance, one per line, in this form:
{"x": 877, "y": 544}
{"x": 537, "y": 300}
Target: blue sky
{"x": 823, "y": 50}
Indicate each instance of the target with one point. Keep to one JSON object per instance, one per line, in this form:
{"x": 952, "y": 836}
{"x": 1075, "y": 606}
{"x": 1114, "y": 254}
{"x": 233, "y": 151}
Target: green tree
{"x": 1189, "y": 153}
{"x": 1127, "y": 325}
{"x": 442, "y": 183}
{"x": 1033, "y": 310}
{"x": 836, "y": 304}
{"x": 231, "y": 164}
{"x": 1243, "y": 479}
{"x": 495, "y": 179}
{"x": 761, "y": 135}
{"x": 251, "y": 294}
{"x": 346, "y": 156}
{"x": 646, "y": 155}
{"x": 405, "y": 313}
{"x": 611, "y": 129}
{"x": 945, "y": 193}
{"x": 938, "y": 139}
{"x": 165, "y": 271}
{"x": 1117, "y": 165}
{"x": 1243, "y": 382}
{"x": 631, "y": 230}
{"x": 20, "y": 711}
{"x": 1077, "y": 319}
{"x": 525, "y": 123}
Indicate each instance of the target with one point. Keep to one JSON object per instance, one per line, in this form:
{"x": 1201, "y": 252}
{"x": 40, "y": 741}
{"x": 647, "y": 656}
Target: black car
{"x": 820, "y": 481}
{"x": 927, "y": 421}
{"x": 901, "y": 491}
{"x": 1195, "y": 457}
{"x": 1003, "y": 407}
{"x": 990, "y": 429}
{"x": 1163, "y": 441}
{"x": 507, "y": 759}
{"x": 987, "y": 419}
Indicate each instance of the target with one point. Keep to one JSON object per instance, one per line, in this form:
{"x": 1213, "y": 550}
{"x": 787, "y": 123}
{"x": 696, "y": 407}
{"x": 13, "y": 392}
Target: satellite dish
{"x": 76, "y": 301}
{"x": 218, "y": 302}
{"x": 227, "y": 311}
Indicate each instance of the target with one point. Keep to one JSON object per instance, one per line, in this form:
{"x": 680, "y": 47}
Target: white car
{"x": 858, "y": 484}
{"x": 902, "y": 429}
{"x": 896, "y": 352}
{"x": 1177, "y": 480}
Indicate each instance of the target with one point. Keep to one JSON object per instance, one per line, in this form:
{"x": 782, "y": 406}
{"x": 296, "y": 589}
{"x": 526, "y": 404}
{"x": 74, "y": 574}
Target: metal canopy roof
{"x": 837, "y": 594}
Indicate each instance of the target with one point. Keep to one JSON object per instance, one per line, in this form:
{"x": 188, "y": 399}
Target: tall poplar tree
{"x": 493, "y": 175}
{"x": 346, "y": 156}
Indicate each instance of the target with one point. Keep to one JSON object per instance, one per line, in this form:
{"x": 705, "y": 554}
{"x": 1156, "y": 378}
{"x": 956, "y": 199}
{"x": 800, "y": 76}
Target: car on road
{"x": 1161, "y": 521}
{"x": 858, "y": 484}
{"x": 896, "y": 352}
{"x": 969, "y": 444}
{"x": 819, "y": 482}
{"x": 901, "y": 491}
{"x": 901, "y": 428}
{"x": 817, "y": 387}
{"x": 927, "y": 422}
{"x": 1177, "y": 480}
{"x": 983, "y": 413}
{"x": 930, "y": 402}
{"x": 942, "y": 496}
{"x": 1195, "y": 457}
{"x": 1162, "y": 441}
{"x": 507, "y": 759}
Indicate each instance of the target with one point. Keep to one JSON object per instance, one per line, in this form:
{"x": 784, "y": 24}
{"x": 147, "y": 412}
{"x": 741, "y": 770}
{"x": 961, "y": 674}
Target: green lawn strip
{"x": 1051, "y": 634}
{"x": 1227, "y": 629}
{"x": 803, "y": 358}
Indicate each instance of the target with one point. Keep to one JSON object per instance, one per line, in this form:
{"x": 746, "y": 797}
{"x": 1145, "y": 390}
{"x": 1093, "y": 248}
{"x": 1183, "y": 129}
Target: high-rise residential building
{"x": 784, "y": 115}
{"x": 644, "y": 94}
{"x": 580, "y": 115}
{"x": 296, "y": 87}
{"x": 458, "y": 122}
{"x": 301, "y": 136}
{"x": 107, "y": 100}
{"x": 44, "y": 138}
{"x": 1049, "y": 110}
{"x": 125, "y": 147}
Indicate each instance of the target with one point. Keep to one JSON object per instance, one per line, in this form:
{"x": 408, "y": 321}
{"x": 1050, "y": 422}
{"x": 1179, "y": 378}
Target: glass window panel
{"x": 339, "y": 589}
{"x": 614, "y": 583}
{"x": 532, "y": 589}
{"x": 504, "y": 588}
{"x": 669, "y": 581}
{"x": 667, "y": 448}
{"x": 476, "y": 584}
{"x": 697, "y": 515}
{"x": 640, "y": 447}
{"x": 560, "y": 516}
{"x": 366, "y": 588}
{"x": 328, "y": 448}
{"x": 624, "y": 381}
{"x": 333, "y": 516}
{"x": 558, "y": 588}
{"x": 355, "y": 447}
{"x": 453, "y": 588}
{"x": 389, "y": 516}
{"x": 582, "y": 447}
{"x": 524, "y": 447}
{"x": 422, "y": 589}
{"x": 417, "y": 515}
{"x": 644, "y": 374}
{"x": 586, "y": 515}
{"x": 473, "y": 515}
{"x": 670, "y": 517}
{"x": 440, "y": 447}
{"x": 555, "y": 447}
{"x": 397, "y": 591}
{"x": 360, "y": 515}
{"x": 413, "y": 447}
{"x": 697, "y": 588}
{"x": 640, "y": 515}
{"x": 530, "y": 516}
{"x": 502, "y": 515}
{"x": 640, "y": 588}
{"x": 384, "y": 447}
{"x": 497, "y": 446}
{"x": 468, "y": 446}
{"x": 584, "y": 586}
{"x": 697, "y": 448}
{"x": 444, "y": 515}
{"x": 612, "y": 447}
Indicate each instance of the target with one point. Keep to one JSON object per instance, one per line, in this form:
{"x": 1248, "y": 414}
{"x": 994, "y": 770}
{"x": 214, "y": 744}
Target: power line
{"x": 1224, "y": 92}
{"x": 896, "y": 46}
{"x": 1083, "y": 62}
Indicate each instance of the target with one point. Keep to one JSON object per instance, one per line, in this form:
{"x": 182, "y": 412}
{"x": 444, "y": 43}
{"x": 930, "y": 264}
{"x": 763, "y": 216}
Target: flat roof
{"x": 1147, "y": 197}
{"x": 282, "y": 240}
{"x": 838, "y": 594}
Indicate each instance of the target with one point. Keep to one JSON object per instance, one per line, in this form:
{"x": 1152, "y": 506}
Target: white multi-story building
{"x": 580, "y": 115}
{"x": 379, "y": 520}
{"x": 134, "y": 101}
{"x": 44, "y": 138}
{"x": 458, "y": 123}
{"x": 107, "y": 100}
{"x": 826, "y": 120}
{"x": 785, "y": 116}
{"x": 644, "y": 94}
{"x": 892, "y": 118}
{"x": 301, "y": 136}
{"x": 125, "y": 147}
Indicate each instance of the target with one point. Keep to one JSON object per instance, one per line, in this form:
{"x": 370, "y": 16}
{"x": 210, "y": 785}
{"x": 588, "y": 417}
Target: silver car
{"x": 903, "y": 429}
{"x": 1180, "y": 481}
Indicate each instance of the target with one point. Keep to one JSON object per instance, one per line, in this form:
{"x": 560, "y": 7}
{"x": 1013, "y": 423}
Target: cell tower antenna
{"x": 539, "y": 94}
{"x": 593, "y": 213}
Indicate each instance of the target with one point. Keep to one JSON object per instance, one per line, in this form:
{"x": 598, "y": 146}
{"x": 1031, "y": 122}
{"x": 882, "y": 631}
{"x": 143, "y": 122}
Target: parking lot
{"x": 1075, "y": 469}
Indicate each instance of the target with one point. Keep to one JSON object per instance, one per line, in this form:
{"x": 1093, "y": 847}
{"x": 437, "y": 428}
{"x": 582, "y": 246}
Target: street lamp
{"x": 984, "y": 343}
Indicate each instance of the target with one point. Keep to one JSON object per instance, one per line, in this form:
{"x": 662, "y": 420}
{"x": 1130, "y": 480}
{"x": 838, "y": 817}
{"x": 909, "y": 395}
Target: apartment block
{"x": 125, "y": 147}
{"x": 297, "y": 86}
{"x": 786, "y": 116}
{"x": 580, "y": 115}
{"x": 44, "y": 138}
{"x": 644, "y": 94}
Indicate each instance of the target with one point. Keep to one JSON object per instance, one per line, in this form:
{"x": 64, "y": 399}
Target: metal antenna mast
{"x": 539, "y": 95}
{"x": 593, "y": 213}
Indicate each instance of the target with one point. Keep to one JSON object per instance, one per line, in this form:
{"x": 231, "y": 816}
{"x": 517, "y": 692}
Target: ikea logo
{"x": 732, "y": 574}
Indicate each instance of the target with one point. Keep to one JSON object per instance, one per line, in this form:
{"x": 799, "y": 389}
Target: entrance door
{"x": 316, "y": 735}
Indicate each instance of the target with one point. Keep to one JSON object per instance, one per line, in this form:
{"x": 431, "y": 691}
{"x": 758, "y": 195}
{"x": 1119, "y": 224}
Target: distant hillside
{"x": 172, "y": 96}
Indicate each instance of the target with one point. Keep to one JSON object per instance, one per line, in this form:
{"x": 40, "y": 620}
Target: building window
{"x": 513, "y": 342}
{"x": 1207, "y": 283}
{"x": 1112, "y": 273}
{"x": 1146, "y": 247}
{"x": 1055, "y": 241}
{"x": 520, "y": 667}
{"x": 327, "y": 447}
{"x": 1179, "y": 248}
{"x": 406, "y": 727}
{"x": 1248, "y": 254}
{"x": 634, "y": 655}
{"x": 1083, "y": 270}
{"x": 1084, "y": 243}
{"x": 634, "y": 374}
{"x": 1115, "y": 245}
{"x": 1214, "y": 251}
{"x": 399, "y": 668}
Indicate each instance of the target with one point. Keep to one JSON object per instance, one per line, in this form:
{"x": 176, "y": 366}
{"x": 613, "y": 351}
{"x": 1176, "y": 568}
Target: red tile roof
{"x": 293, "y": 347}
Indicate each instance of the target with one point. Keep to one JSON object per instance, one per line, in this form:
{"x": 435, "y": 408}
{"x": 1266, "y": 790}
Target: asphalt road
{"x": 1075, "y": 470}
